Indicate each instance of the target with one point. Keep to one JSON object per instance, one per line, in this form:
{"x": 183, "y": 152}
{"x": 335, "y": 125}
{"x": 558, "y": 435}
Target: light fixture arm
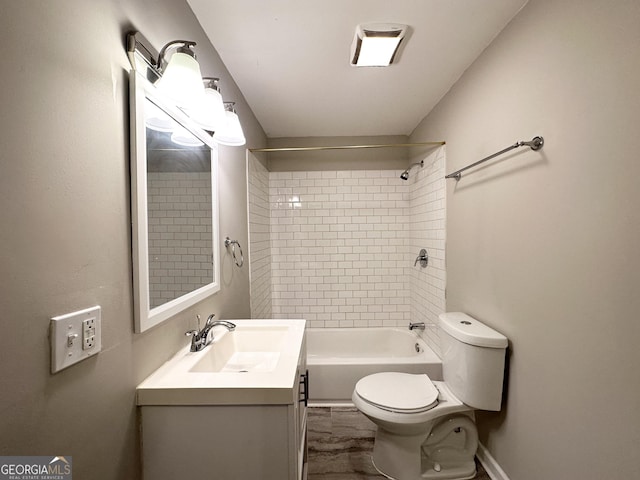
{"x": 212, "y": 83}
{"x": 230, "y": 107}
{"x": 184, "y": 48}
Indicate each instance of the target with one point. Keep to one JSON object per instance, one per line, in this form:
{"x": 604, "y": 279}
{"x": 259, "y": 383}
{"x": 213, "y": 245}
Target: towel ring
{"x": 228, "y": 242}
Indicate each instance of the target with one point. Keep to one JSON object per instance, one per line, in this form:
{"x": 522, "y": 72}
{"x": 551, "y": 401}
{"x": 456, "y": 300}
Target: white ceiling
{"x": 290, "y": 59}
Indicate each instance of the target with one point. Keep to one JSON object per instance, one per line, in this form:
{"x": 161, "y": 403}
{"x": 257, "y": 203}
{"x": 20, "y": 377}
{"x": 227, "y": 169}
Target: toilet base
{"x": 459, "y": 472}
{"x": 397, "y": 456}
{"x": 437, "y": 453}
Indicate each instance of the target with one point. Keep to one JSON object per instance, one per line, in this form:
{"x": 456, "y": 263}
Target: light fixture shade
{"x": 181, "y": 80}
{"x": 376, "y": 45}
{"x": 156, "y": 119}
{"x": 231, "y": 133}
{"x": 209, "y": 113}
{"x": 181, "y": 136}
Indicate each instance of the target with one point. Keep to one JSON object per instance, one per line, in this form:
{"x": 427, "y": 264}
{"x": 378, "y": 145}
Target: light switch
{"x": 74, "y": 337}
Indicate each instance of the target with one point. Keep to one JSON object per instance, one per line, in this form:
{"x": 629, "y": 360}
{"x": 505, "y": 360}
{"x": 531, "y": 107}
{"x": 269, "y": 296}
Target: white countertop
{"x": 182, "y": 381}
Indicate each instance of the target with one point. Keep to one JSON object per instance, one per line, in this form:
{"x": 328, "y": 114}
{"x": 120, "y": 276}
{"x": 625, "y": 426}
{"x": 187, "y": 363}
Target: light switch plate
{"x": 74, "y": 337}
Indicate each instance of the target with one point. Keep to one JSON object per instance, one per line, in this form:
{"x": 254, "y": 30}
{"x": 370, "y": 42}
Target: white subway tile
{"x": 359, "y": 227}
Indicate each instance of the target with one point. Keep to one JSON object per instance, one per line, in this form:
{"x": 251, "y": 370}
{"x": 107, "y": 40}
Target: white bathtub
{"x": 338, "y": 357}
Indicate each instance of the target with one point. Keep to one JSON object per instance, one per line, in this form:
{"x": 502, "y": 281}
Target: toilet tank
{"x": 473, "y": 356}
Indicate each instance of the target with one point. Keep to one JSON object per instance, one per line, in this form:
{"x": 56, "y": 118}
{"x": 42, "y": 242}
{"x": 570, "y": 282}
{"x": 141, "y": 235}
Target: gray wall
{"x": 66, "y": 234}
{"x": 544, "y": 246}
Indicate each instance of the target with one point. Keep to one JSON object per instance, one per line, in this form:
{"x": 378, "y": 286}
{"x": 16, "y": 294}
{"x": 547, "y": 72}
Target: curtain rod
{"x": 343, "y": 147}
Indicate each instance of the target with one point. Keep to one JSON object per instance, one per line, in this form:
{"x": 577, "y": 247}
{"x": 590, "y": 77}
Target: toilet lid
{"x": 399, "y": 392}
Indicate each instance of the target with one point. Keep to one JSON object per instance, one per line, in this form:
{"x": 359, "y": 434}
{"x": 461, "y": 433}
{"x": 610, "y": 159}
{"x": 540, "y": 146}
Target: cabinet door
{"x": 234, "y": 442}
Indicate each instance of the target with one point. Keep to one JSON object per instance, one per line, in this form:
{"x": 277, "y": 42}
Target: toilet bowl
{"x": 418, "y": 421}
{"x": 426, "y": 428}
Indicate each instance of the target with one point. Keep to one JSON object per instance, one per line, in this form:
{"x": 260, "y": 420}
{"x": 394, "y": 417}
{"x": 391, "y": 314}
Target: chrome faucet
{"x": 209, "y": 324}
{"x": 416, "y": 326}
{"x": 200, "y": 338}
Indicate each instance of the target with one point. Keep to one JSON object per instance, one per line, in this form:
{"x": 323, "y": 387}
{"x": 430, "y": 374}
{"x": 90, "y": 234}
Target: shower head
{"x": 405, "y": 175}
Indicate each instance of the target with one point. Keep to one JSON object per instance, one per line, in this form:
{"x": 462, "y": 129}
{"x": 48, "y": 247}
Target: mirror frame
{"x": 145, "y": 316}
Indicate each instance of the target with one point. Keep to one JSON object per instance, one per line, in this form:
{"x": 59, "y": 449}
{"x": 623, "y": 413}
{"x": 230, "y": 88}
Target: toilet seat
{"x": 398, "y": 392}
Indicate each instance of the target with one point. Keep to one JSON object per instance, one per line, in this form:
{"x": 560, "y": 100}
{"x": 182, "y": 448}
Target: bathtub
{"x": 338, "y": 357}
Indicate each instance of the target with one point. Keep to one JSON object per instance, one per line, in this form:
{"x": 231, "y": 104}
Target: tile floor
{"x": 340, "y": 445}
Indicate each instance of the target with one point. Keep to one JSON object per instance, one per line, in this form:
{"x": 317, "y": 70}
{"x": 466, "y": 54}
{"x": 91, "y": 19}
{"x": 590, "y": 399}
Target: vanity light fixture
{"x": 376, "y": 44}
{"x": 210, "y": 112}
{"x": 181, "y": 79}
{"x": 231, "y": 133}
{"x": 176, "y": 74}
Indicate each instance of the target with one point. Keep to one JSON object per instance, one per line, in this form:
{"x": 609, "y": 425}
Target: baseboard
{"x": 490, "y": 465}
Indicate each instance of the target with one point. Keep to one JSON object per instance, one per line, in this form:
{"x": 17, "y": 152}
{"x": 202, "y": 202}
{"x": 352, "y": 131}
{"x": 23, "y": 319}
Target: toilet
{"x": 426, "y": 429}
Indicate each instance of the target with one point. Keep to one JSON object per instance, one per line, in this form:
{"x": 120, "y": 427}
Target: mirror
{"x": 174, "y": 192}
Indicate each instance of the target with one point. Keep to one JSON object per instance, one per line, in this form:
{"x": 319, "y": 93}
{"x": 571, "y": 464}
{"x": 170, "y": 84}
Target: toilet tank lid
{"x": 469, "y": 330}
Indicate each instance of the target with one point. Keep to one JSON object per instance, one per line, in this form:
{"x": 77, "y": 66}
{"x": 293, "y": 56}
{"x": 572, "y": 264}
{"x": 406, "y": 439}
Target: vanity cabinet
{"x": 246, "y": 440}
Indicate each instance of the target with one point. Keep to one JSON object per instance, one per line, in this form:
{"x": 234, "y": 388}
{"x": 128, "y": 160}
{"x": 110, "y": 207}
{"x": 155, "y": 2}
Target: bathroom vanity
{"x": 236, "y": 409}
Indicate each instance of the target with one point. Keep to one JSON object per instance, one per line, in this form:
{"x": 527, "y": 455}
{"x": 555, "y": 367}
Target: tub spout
{"x": 416, "y": 326}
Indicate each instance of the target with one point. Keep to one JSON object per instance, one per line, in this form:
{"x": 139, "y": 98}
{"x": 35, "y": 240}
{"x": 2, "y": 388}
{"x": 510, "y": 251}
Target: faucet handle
{"x": 196, "y": 340}
{"x": 423, "y": 258}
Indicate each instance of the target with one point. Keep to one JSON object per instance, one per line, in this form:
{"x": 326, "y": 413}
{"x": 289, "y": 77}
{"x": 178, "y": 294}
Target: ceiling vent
{"x": 376, "y": 44}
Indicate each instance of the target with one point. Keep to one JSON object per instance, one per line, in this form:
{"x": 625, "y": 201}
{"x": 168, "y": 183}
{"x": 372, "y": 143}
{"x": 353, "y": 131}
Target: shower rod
{"x": 535, "y": 144}
{"x": 344, "y": 147}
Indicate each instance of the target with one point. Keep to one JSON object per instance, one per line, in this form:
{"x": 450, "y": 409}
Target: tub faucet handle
{"x": 423, "y": 258}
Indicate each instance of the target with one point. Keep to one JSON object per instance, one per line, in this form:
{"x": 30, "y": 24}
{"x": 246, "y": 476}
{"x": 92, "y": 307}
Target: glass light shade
{"x": 156, "y": 119}
{"x": 183, "y": 137}
{"x": 181, "y": 81}
{"x": 231, "y": 133}
{"x": 209, "y": 113}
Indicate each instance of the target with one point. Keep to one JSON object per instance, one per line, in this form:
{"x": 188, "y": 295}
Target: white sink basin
{"x": 254, "y": 364}
{"x": 245, "y": 362}
{"x": 248, "y": 349}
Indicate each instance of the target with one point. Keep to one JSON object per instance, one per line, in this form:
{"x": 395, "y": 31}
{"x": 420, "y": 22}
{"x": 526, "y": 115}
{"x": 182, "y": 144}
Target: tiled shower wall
{"x": 337, "y": 245}
{"x": 343, "y": 246}
{"x": 259, "y": 246}
{"x": 427, "y": 215}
